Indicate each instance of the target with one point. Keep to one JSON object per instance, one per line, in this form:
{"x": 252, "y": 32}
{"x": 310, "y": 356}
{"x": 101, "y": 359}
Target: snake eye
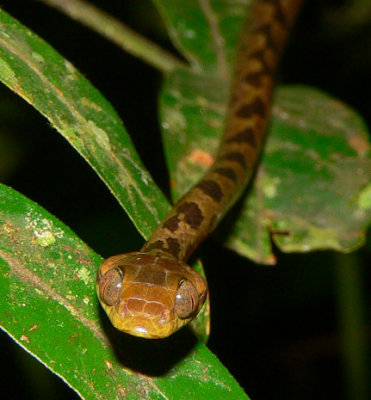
{"x": 186, "y": 300}
{"x": 110, "y": 286}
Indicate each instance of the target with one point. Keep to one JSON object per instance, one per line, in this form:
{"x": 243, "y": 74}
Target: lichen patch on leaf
{"x": 176, "y": 120}
{"x": 38, "y": 57}
{"x": 100, "y": 136}
{"x": 84, "y": 274}
{"x": 86, "y": 102}
{"x": 43, "y": 229}
{"x": 45, "y": 238}
{"x": 270, "y": 186}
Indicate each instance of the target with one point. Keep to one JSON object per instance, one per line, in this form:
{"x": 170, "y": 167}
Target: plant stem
{"x": 351, "y": 314}
{"x": 118, "y": 33}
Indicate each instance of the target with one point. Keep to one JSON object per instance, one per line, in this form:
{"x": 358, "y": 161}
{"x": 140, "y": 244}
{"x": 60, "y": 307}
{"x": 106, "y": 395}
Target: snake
{"x": 152, "y": 293}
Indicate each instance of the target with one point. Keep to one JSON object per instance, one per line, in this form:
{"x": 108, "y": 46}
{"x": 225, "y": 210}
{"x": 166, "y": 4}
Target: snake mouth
{"x": 140, "y": 330}
{"x": 146, "y": 331}
{"x": 144, "y": 327}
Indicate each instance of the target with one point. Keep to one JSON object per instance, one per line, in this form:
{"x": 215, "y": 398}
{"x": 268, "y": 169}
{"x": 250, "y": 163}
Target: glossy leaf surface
{"x": 49, "y": 306}
{"x": 312, "y": 188}
{"x": 205, "y": 32}
{"x": 36, "y": 72}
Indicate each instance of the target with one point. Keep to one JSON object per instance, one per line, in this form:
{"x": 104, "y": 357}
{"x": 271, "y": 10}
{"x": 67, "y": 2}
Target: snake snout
{"x": 140, "y": 330}
{"x": 144, "y": 311}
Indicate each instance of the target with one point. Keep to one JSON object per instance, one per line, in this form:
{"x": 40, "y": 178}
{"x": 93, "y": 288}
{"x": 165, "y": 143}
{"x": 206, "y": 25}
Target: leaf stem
{"x": 118, "y": 33}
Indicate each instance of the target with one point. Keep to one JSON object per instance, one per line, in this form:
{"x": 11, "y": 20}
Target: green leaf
{"x": 40, "y": 75}
{"x": 205, "y": 32}
{"x": 48, "y": 305}
{"x": 310, "y": 192}
{"x": 311, "y": 188}
{"x": 36, "y": 72}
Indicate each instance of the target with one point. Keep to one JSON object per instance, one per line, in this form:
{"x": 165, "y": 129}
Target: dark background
{"x": 277, "y": 329}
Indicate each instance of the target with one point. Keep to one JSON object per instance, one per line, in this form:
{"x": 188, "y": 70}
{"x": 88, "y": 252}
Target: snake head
{"x": 150, "y": 295}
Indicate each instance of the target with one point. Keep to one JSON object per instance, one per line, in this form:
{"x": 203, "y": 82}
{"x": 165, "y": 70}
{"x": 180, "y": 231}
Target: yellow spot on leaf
{"x": 34, "y": 327}
{"x": 269, "y": 186}
{"x": 88, "y": 103}
{"x": 44, "y": 238}
{"x": 25, "y": 338}
{"x": 84, "y": 274}
{"x": 38, "y": 57}
{"x": 109, "y": 365}
{"x": 100, "y": 136}
{"x": 69, "y": 67}
{"x": 176, "y": 120}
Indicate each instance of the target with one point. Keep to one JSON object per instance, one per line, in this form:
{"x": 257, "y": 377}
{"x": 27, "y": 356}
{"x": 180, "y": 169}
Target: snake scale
{"x": 153, "y": 292}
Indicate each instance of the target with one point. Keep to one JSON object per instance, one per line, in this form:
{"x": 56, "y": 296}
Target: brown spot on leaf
{"x": 33, "y": 327}
{"x": 25, "y": 338}
{"x": 122, "y": 391}
{"x": 110, "y": 366}
{"x": 359, "y": 144}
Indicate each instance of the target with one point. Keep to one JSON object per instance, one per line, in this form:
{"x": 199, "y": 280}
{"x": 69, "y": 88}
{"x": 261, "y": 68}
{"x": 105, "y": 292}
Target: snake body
{"x": 153, "y": 292}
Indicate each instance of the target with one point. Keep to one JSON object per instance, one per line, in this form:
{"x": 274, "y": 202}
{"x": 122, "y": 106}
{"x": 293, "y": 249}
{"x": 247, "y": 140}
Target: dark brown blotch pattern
{"x": 173, "y": 246}
{"x": 269, "y": 40}
{"x": 211, "y": 189}
{"x": 237, "y": 157}
{"x": 192, "y": 214}
{"x": 202, "y": 207}
{"x": 227, "y": 173}
{"x": 157, "y": 245}
{"x": 172, "y": 223}
{"x": 245, "y": 136}
{"x": 255, "y": 78}
{"x": 256, "y": 107}
{"x": 279, "y": 15}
